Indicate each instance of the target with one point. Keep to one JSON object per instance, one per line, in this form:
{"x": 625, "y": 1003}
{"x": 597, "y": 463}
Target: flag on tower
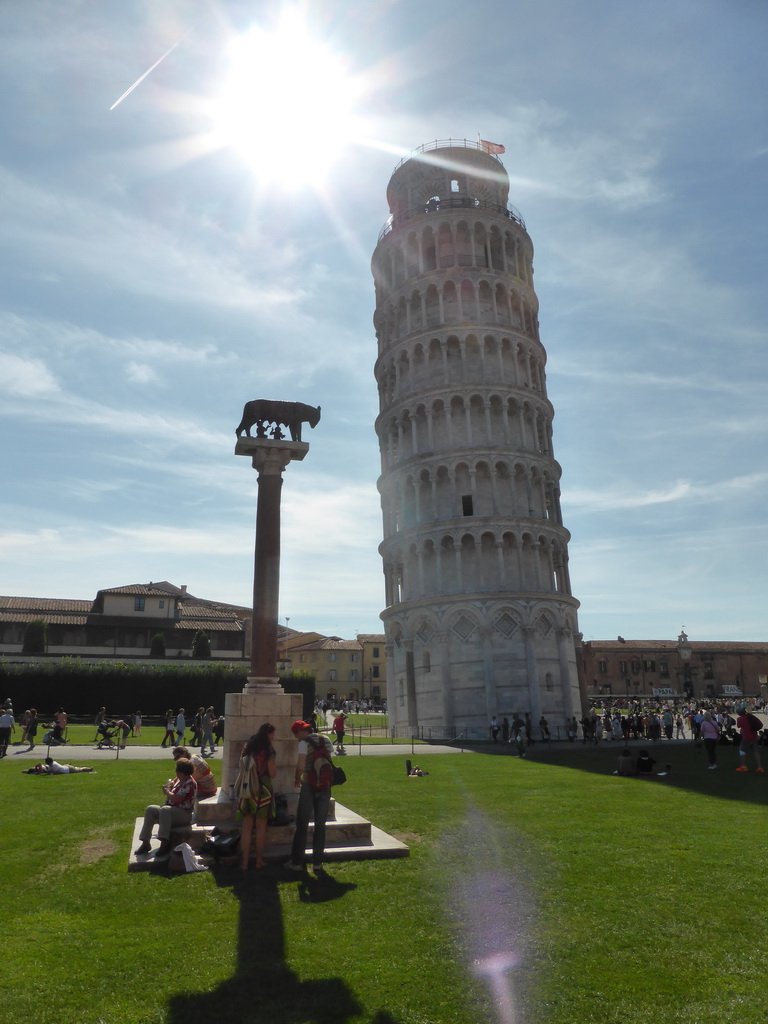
{"x": 492, "y": 147}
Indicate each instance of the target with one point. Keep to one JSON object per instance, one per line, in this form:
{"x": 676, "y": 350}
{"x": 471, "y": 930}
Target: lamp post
{"x": 685, "y": 651}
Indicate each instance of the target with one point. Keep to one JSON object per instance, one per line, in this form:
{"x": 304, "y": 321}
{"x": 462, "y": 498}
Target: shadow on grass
{"x": 264, "y": 987}
{"x": 688, "y": 764}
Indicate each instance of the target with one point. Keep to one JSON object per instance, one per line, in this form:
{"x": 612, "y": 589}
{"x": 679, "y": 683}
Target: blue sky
{"x": 156, "y": 276}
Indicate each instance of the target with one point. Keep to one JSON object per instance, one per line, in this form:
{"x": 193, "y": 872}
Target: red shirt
{"x": 746, "y": 730}
{"x": 182, "y": 793}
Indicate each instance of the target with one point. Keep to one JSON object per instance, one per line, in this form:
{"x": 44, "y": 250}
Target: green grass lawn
{"x": 152, "y": 735}
{"x": 623, "y": 900}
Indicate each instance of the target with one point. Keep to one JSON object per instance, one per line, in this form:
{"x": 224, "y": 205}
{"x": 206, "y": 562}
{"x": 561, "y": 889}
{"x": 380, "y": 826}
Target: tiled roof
{"x": 371, "y": 638}
{"x": 52, "y": 618}
{"x": 329, "y": 643}
{"x": 671, "y": 646}
{"x": 219, "y": 625}
{"x": 44, "y": 604}
{"x": 206, "y": 611}
{"x": 194, "y": 613}
{"x": 144, "y": 590}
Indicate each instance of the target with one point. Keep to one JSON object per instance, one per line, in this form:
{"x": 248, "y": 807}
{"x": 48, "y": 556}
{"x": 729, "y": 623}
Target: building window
{"x": 454, "y": 185}
{"x": 623, "y": 667}
{"x": 332, "y": 656}
{"x": 375, "y": 674}
{"x": 635, "y": 667}
{"x": 353, "y": 657}
{"x": 602, "y": 666}
{"x": 162, "y": 604}
{"x": 302, "y": 657}
{"x": 138, "y": 604}
{"x": 649, "y": 666}
{"x": 353, "y": 675}
{"x": 332, "y": 675}
{"x": 663, "y": 669}
{"x": 709, "y": 672}
{"x": 466, "y": 505}
{"x": 375, "y": 652}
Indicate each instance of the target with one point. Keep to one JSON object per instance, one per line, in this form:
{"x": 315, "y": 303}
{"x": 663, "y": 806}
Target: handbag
{"x": 339, "y": 775}
{"x": 242, "y": 788}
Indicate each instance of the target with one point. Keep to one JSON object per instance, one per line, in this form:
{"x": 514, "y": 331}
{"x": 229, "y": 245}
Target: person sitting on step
{"x": 174, "y": 813}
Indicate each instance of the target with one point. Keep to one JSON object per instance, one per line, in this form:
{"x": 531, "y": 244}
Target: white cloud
{"x": 138, "y": 255}
{"x": 679, "y": 492}
{"x": 25, "y": 378}
{"x": 140, "y": 373}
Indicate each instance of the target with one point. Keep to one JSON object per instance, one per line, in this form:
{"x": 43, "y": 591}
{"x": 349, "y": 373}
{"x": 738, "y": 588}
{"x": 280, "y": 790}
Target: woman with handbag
{"x": 253, "y": 791}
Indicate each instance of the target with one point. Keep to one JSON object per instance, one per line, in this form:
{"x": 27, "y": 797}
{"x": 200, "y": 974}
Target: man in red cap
{"x": 313, "y": 777}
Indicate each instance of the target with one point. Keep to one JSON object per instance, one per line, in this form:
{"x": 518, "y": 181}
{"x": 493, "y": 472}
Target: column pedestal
{"x": 245, "y": 712}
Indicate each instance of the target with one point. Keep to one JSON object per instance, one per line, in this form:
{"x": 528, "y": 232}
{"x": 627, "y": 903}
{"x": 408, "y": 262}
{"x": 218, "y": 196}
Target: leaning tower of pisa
{"x": 479, "y": 615}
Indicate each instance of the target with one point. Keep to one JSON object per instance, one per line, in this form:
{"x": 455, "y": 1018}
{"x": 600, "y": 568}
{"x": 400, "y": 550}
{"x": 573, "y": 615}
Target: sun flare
{"x": 288, "y": 105}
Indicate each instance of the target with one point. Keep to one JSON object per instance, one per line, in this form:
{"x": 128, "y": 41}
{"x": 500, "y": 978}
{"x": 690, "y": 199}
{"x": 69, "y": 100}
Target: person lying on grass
{"x": 51, "y": 767}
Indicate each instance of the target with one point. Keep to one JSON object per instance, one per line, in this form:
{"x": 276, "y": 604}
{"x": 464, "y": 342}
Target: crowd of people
{"x": 518, "y": 732}
{"x": 656, "y": 725}
{"x": 206, "y": 729}
{"x": 709, "y": 724}
{"x": 351, "y": 707}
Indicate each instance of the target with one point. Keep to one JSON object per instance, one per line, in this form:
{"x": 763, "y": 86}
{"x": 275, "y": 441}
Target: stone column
{"x": 564, "y": 646}
{"x": 263, "y": 698}
{"x": 269, "y": 458}
{"x": 446, "y": 690}
{"x": 532, "y": 671}
{"x": 489, "y": 681}
{"x": 410, "y": 686}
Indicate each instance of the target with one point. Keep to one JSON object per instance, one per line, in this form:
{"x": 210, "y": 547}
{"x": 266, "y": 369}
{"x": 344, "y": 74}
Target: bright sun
{"x": 288, "y": 105}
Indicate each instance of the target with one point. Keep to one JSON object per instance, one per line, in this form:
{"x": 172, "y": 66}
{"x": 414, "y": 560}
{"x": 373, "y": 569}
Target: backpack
{"x": 221, "y": 845}
{"x": 754, "y": 723}
{"x": 318, "y": 770}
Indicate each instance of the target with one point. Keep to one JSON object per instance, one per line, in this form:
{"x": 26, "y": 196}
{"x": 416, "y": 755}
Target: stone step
{"x": 348, "y": 837}
{"x": 215, "y": 811}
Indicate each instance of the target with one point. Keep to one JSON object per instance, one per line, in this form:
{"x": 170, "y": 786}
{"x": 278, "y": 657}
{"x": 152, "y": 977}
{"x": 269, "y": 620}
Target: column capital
{"x": 271, "y": 457}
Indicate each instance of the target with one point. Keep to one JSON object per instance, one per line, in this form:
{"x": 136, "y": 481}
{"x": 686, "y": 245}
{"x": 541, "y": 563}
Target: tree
{"x": 201, "y": 645}
{"x": 35, "y": 637}
{"x": 157, "y": 647}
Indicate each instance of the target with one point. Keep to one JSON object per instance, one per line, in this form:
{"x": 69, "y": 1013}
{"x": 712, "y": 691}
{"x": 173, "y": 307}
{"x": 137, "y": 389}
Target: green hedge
{"x": 81, "y": 687}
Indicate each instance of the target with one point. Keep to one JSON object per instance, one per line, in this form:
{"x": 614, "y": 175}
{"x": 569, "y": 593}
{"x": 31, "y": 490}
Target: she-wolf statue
{"x": 269, "y": 416}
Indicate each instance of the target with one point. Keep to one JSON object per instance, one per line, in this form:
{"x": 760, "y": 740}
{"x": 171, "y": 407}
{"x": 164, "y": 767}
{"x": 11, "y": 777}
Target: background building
{"x": 479, "y": 615}
{"x": 343, "y": 669}
{"x": 698, "y": 668}
{"x": 120, "y": 622}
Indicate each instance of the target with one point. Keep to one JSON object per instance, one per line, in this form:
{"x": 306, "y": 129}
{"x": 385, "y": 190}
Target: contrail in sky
{"x": 149, "y": 70}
